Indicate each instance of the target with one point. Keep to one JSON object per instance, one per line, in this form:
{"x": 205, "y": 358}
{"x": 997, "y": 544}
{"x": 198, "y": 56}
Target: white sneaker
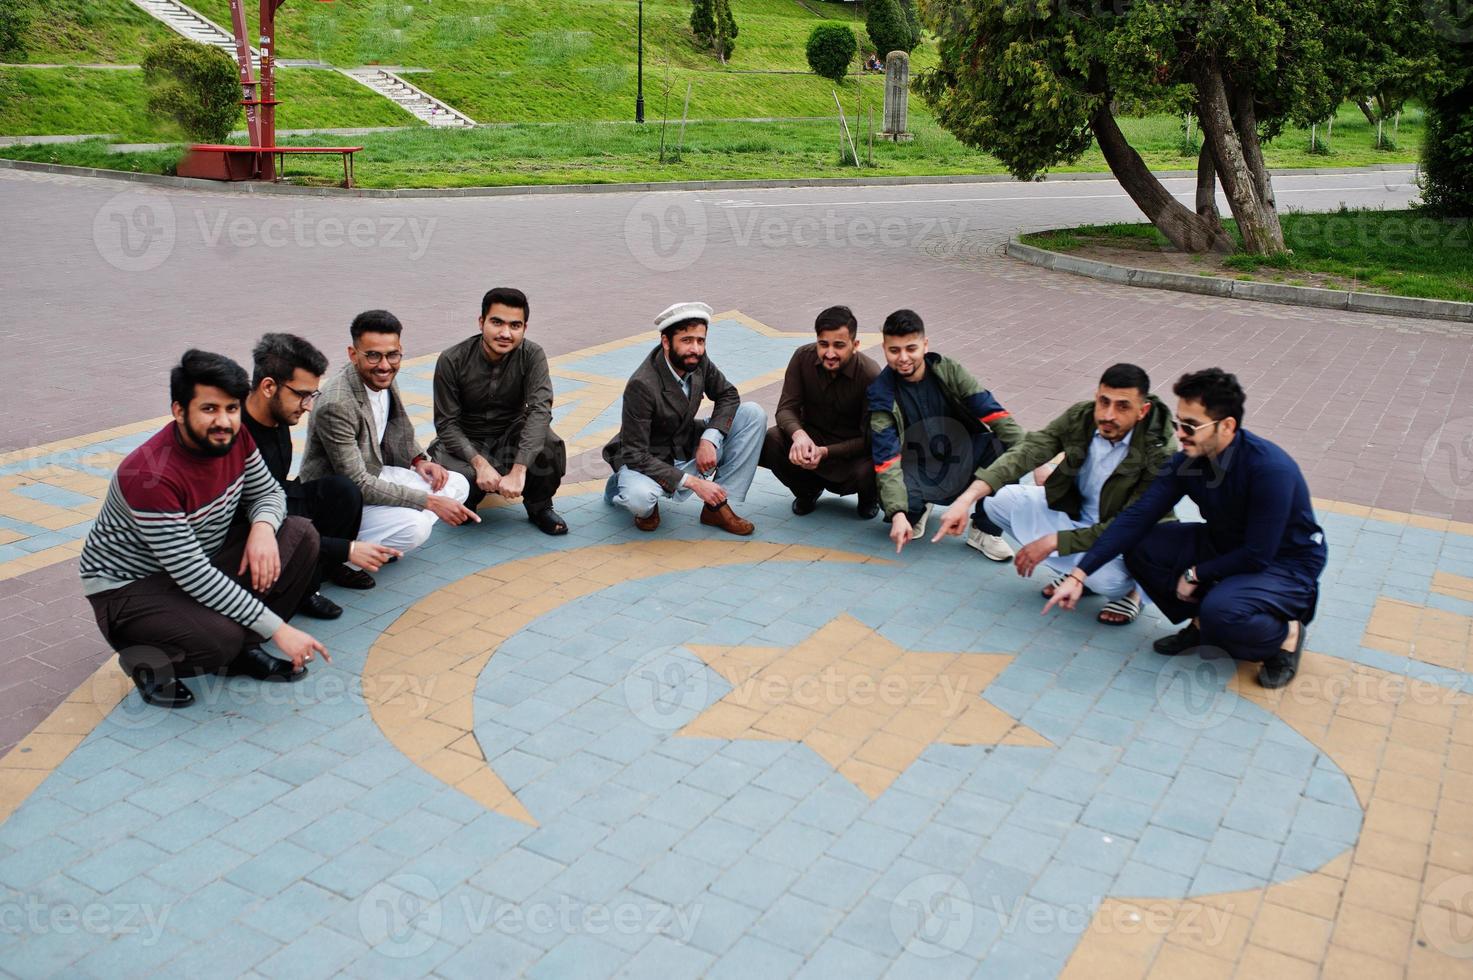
{"x": 918, "y": 529}
{"x": 991, "y": 545}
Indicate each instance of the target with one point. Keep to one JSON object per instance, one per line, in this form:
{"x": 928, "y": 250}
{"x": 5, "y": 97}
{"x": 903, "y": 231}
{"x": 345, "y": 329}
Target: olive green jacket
{"x": 1152, "y": 444}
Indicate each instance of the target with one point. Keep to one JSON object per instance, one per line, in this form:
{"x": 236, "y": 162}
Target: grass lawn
{"x": 1399, "y": 252}
{"x": 36, "y": 101}
{"x": 617, "y": 152}
{"x": 527, "y": 61}
{"x": 82, "y": 32}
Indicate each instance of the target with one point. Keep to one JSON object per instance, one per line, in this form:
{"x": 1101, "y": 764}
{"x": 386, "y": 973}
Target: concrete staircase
{"x": 415, "y": 101}
{"x": 194, "y": 25}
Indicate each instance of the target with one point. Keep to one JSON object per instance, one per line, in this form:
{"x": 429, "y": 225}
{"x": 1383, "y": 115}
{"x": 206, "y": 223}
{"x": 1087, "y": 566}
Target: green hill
{"x": 523, "y": 61}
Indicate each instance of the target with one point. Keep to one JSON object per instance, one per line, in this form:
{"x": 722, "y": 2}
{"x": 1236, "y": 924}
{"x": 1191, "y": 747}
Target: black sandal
{"x": 548, "y": 521}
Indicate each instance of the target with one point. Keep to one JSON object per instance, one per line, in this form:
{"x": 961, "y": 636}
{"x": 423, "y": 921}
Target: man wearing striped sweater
{"x": 192, "y": 561}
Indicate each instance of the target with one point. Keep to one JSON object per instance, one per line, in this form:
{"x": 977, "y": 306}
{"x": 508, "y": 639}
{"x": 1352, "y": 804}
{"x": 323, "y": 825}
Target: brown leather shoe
{"x": 650, "y": 522}
{"x": 725, "y": 518}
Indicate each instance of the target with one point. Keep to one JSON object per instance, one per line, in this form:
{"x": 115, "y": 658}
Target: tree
{"x": 15, "y": 19}
{"x": 196, "y": 85}
{"x": 912, "y": 22}
{"x": 1035, "y": 83}
{"x": 887, "y": 27}
{"x": 714, "y": 26}
{"x": 831, "y": 50}
{"x": 1447, "y": 153}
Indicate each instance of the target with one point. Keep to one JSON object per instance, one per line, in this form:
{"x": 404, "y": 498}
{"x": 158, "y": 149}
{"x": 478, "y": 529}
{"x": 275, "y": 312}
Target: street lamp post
{"x": 639, "y": 96}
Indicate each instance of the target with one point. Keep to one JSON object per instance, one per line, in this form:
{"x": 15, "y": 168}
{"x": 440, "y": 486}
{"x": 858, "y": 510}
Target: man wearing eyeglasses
{"x": 359, "y": 429}
{"x": 493, "y": 412}
{"x": 1247, "y": 575}
{"x": 286, "y": 379}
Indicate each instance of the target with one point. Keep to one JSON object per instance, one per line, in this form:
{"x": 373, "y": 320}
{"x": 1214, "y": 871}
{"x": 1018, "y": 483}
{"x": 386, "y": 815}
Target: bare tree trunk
{"x": 1207, "y": 186}
{"x": 1185, "y": 229}
{"x": 1246, "y": 120}
{"x": 1365, "y": 107}
{"x": 1238, "y": 182}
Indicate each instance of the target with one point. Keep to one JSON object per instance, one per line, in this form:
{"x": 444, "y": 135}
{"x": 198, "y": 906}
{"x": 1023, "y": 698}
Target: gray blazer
{"x": 341, "y": 441}
{"x": 659, "y": 423}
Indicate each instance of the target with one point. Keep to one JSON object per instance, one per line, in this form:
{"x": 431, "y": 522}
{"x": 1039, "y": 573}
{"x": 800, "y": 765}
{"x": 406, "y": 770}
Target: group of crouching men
{"x": 206, "y": 546}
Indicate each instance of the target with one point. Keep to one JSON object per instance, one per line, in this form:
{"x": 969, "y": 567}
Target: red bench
{"x": 218, "y": 161}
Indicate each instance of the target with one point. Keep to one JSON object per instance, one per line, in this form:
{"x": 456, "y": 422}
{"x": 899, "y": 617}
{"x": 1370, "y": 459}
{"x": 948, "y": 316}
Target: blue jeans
{"x": 736, "y": 464}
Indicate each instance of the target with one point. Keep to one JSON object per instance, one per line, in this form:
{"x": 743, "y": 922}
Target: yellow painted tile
{"x": 15, "y": 786}
{"x": 1292, "y": 932}
{"x": 41, "y": 751}
{"x": 1343, "y": 963}
{"x": 1385, "y": 892}
{"x": 1179, "y": 962}
{"x": 1259, "y": 963}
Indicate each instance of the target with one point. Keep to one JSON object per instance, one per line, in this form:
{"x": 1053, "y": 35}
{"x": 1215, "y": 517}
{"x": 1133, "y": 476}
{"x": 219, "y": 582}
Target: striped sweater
{"x": 169, "y": 510}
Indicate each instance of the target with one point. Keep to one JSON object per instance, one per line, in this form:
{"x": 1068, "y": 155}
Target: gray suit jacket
{"x": 341, "y": 441}
{"x": 659, "y": 422}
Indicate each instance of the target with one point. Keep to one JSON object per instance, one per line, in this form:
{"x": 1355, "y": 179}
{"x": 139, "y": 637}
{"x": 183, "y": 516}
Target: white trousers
{"x": 1023, "y": 511}
{"x": 406, "y": 528}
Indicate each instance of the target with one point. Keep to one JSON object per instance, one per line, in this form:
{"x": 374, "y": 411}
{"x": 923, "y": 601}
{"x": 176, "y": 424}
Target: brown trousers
{"x": 154, "y": 623}
{"x": 840, "y": 476}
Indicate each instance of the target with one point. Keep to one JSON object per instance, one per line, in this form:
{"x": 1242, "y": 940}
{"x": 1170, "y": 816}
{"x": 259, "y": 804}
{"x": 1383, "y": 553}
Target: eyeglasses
{"x": 374, "y": 357}
{"x": 1191, "y": 429}
{"x": 307, "y": 397}
{"x": 498, "y": 323}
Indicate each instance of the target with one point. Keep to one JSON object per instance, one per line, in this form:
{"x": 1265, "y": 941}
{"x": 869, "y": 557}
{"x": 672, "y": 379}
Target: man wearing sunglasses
{"x": 493, "y": 412}
{"x": 286, "y": 378}
{"x": 1247, "y": 576}
{"x": 359, "y": 429}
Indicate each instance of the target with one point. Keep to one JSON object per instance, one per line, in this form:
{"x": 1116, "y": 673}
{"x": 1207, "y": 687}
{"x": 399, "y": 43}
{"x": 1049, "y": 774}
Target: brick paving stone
{"x": 779, "y": 853}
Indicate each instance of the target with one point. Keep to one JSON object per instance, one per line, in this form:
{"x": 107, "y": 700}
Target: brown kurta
{"x": 831, "y": 407}
{"x": 477, "y": 403}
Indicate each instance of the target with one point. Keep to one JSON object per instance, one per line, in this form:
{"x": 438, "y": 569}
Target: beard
{"x": 202, "y": 443}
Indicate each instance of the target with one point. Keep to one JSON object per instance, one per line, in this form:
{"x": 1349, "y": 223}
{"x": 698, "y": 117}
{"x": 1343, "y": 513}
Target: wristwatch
{"x": 1191, "y": 576}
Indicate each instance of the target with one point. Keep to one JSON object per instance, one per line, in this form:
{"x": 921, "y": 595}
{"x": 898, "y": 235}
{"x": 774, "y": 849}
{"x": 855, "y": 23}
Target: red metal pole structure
{"x": 247, "y": 75}
{"x": 268, "y": 86}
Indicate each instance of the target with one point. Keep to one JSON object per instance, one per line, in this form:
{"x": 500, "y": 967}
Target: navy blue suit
{"x": 1259, "y": 555}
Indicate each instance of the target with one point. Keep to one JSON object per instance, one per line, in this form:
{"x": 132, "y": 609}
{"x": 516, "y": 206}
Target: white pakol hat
{"x": 683, "y": 311}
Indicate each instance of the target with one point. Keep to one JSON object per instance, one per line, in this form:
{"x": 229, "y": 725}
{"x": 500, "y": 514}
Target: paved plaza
{"x": 686, "y": 754}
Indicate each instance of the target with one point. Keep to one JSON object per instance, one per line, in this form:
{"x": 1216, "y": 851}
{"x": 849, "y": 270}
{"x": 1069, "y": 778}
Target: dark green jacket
{"x": 1152, "y": 443}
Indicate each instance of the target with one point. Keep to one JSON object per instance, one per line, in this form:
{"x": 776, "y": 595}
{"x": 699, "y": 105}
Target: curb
{"x": 255, "y": 187}
{"x": 1262, "y": 292}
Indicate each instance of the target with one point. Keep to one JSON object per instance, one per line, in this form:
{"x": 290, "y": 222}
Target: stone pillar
{"x": 897, "y": 96}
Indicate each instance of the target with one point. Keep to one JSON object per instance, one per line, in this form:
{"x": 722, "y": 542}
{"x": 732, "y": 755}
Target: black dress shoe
{"x": 351, "y": 578}
{"x": 319, "y": 606}
{"x": 1280, "y": 669}
{"x": 802, "y": 506}
{"x": 256, "y": 662}
{"x": 169, "y": 693}
{"x": 548, "y": 521}
{"x": 867, "y": 508}
{"x": 1181, "y": 642}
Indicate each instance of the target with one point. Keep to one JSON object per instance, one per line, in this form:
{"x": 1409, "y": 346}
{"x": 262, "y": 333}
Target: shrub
{"x": 887, "y": 27}
{"x": 15, "y": 18}
{"x": 831, "y": 49}
{"x": 1447, "y": 156}
{"x": 195, "y": 85}
{"x": 714, "y": 26}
